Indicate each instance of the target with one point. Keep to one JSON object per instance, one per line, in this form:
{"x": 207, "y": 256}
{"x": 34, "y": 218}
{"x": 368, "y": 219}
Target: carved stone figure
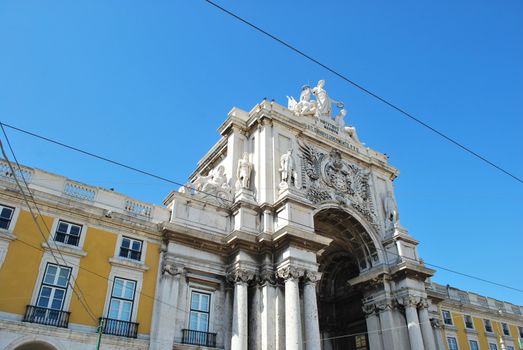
{"x": 213, "y": 186}
{"x": 243, "y": 173}
{"x": 391, "y": 212}
{"x": 305, "y": 106}
{"x": 340, "y": 118}
{"x": 288, "y": 168}
{"x": 323, "y": 101}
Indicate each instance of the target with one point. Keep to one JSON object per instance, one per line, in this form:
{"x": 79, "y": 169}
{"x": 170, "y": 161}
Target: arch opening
{"x": 351, "y": 253}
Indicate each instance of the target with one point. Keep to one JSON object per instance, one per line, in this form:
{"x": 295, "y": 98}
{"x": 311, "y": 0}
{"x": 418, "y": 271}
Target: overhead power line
{"x": 365, "y": 90}
{"x": 213, "y": 195}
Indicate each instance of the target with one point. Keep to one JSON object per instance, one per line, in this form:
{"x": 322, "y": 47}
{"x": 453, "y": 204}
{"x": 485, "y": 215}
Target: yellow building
{"x": 70, "y": 256}
{"x": 472, "y": 321}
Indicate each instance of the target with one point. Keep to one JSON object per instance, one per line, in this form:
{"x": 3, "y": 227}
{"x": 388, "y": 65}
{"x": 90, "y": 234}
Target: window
{"x": 488, "y": 326}
{"x": 510, "y": 347}
{"x": 520, "y": 329}
{"x": 453, "y": 344}
{"x": 68, "y": 233}
{"x": 468, "y": 322}
{"x": 6, "y": 215}
{"x": 122, "y": 299}
{"x": 473, "y": 345}
{"x": 54, "y": 287}
{"x": 447, "y": 318}
{"x": 199, "y": 315}
{"x": 131, "y": 248}
{"x": 504, "y": 326}
{"x": 492, "y": 346}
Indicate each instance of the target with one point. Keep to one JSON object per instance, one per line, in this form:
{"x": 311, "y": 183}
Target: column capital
{"x": 423, "y": 304}
{"x": 370, "y": 309}
{"x": 410, "y": 301}
{"x": 290, "y": 272}
{"x": 170, "y": 268}
{"x": 436, "y": 323}
{"x": 385, "y": 305}
{"x": 312, "y": 277}
{"x": 266, "y": 277}
{"x": 240, "y": 275}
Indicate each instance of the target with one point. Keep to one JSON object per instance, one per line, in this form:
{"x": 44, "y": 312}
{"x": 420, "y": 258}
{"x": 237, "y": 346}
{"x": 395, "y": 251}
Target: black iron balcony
{"x": 50, "y": 317}
{"x": 118, "y": 327}
{"x": 198, "y": 338}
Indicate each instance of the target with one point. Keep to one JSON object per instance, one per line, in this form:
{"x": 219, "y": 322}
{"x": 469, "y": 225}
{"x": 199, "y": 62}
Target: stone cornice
{"x": 411, "y": 269}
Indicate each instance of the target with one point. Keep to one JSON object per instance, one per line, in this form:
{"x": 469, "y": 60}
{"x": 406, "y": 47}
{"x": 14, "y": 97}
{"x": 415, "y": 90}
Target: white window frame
{"x": 450, "y": 318}
{"x": 132, "y": 301}
{"x": 70, "y": 224}
{"x": 53, "y": 286}
{"x": 485, "y": 326}
{"x": 455, "y": 341}
{"x": 475, "y": 341}
{"x": 492, "y": 348}
{"x": 119, "y": 244}
{"x": 503, "y": 328}
{"x": 208, "y": 312}
{"x": 6, "y": 235}
{"x": 70, "y": 261}
{"x": 465, "y": 321}
{"x": 12, "y": 220}
{"x": 118, "y": 271}
{"x": 204, "y": 289}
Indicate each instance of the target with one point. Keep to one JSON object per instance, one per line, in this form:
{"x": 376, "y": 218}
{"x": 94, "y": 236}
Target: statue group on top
{"x": 321, "y": 107}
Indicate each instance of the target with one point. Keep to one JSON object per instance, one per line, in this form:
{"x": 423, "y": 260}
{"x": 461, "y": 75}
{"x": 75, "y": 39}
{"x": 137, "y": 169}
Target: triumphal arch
{"x": 287, "y": 236}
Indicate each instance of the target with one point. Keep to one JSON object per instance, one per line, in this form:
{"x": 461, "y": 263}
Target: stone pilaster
{"x": 411, "y": 313}
{"x": 310, "y": 310}
{"x": 437, "y": 325}
{"x": 267, "y": 282}
{"x": 239, "y": 337}
{"x": 165, "y": 315}
{"x": 390, "y": 336}
{"x": 293, "y": 332}
{"x": 373, "y": 326}
{"x": 426, "y": 328}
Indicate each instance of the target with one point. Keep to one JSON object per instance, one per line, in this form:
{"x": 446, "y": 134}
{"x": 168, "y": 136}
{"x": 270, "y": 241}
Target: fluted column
{"x": 291, "y": 275}
{"x": 164, "y": 330}
{"x": 373, "y": 326}
{"x": 426, "y": 328}
{"x": 267, "y": 282}
{"x": 239, "y": 336}
{"x": 411, "y": 313}
{"x": 310, "y": 310}
{"x": 389, "y": 334}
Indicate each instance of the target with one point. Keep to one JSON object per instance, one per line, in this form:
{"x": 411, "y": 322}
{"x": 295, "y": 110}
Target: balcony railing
{"x": 198, "y": 338}
{"x": 50, "y": 317}
{"x": 118, "y": 327}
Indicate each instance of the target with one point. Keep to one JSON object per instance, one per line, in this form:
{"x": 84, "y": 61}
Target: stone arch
{"x": 35, "y": 342}
{"x": 355, "y": 249}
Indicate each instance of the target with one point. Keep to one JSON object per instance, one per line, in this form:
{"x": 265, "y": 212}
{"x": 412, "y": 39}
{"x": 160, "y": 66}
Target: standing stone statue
{"x": 243, "y": 172}
{"x": 287, "y": 168}
{"x": 323, "y": 101}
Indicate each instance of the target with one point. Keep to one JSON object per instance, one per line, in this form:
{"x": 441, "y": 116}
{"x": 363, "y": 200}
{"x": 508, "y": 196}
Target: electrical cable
{"x": 365, "y": 90}
{"x": 225, "y": 200}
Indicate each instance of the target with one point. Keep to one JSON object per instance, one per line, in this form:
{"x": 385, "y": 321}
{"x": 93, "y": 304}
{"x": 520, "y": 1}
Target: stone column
{"x": 239, "y": 336}
{"x": 438, "y": 334}
{"x": 291, "y": 275}
{"x": 268, "y": 310}
{"x": 373, "y": 326}
{"x": 280, "y": 317}
{"x": 164, "y": 329}
{"x": 389, "y": 334}
{"x": 426, "y": 328}
{"x": 411, "y": 313}
{"x": 310, "y": 309}
{"x": 227, "y": 317}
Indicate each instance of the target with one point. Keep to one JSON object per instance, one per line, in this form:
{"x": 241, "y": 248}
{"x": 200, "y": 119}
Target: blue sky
{"x": 148, "y": 83}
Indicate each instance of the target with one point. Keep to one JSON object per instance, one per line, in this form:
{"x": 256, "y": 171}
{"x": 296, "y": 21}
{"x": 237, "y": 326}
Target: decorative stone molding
{"x": 329, "y": 178}
{"x": 423, "y": 304}
{"x": 169, "y": 268}
{"x": 410, "y": 301}
{"x": 240, "y": 276}
{"x": 290, "y": 272}
{"x": 385, "y": 305}
{"x": 369, "y": 309}
{"x": 312, "y": 277}
{"x": 266, "y": 278}
{"x": 128, "y": 263}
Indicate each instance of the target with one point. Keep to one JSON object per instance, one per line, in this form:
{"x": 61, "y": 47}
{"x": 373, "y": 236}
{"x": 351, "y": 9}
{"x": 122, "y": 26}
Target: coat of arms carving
{"x": 327, "y": 177}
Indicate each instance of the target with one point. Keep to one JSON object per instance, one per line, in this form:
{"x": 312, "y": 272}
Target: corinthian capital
{"x": 410, "y": 301}
{"x": 312, "y": 277}
{"x": 290, "y": 272}
{"x": 267, "y": 277}
{"x": 369, "y": 309}
{"x": 240, "y": 276}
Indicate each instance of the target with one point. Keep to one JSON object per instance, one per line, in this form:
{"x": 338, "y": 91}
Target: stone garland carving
{"x": 214, "y": 186}
{"x": 330, "y": 178}
{"x": 169, "y": 268}
{"x": 290, "y": 272}
{"x": 240, "y": 276}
